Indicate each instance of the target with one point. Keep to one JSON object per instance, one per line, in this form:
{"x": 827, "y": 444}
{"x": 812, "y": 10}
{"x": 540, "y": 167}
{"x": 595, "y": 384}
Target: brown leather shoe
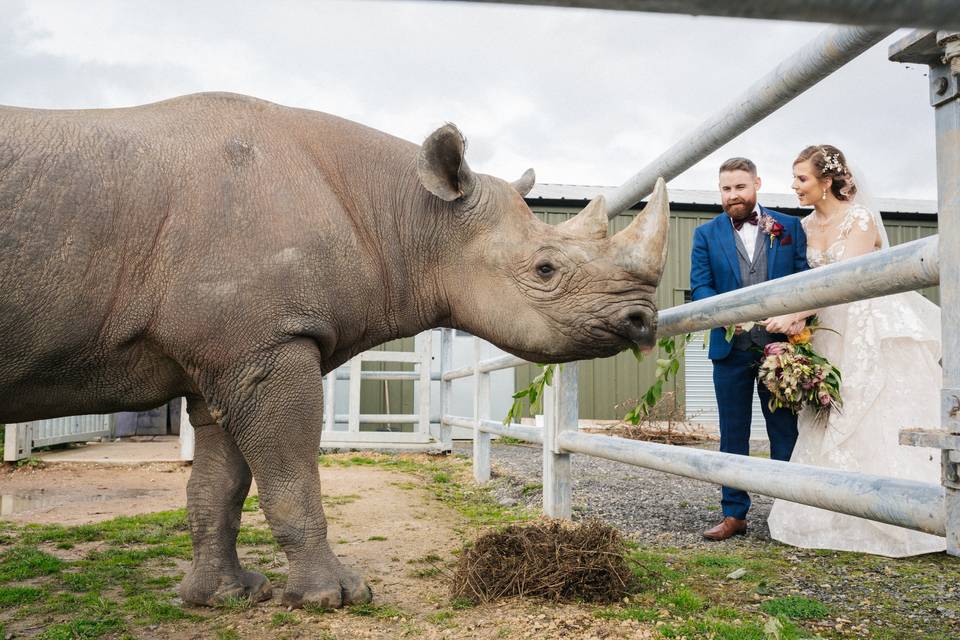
{"x": 728, "y": 528}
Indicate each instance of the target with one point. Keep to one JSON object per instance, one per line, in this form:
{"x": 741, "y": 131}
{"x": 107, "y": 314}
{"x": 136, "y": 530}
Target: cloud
{"x": 586, "y": 97}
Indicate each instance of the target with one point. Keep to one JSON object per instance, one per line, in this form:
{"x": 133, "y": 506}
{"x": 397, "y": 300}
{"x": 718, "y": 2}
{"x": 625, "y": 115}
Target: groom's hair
{"x": 739, "y": 164}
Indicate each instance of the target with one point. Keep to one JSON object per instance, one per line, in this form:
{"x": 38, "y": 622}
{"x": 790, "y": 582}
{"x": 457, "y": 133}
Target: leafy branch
{"x": 533, "y": 393}
{"x": 673, "y": 347}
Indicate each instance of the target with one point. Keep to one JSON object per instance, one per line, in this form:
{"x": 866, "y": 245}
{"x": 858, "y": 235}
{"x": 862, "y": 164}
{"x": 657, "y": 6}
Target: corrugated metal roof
{"x": 580, "y": 193}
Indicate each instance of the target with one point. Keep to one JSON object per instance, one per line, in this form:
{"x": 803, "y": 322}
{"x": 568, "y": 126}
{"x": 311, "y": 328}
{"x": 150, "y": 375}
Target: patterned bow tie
{"x": 752, "y": 219}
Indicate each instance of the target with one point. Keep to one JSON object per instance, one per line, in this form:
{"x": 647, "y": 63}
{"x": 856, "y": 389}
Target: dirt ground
{"x": 382, "y": 523}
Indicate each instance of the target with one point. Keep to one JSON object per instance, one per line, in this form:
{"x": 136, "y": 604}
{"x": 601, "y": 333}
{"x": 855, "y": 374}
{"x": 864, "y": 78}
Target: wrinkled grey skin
{"x": 234, "y": 251}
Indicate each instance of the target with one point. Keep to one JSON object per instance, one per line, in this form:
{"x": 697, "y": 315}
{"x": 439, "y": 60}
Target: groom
{"x": 747, "y": 245}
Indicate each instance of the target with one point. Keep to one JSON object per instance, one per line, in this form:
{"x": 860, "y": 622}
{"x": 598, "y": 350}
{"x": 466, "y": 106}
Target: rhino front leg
{"x": 276, "y": 417}
{"x": 218, "y": 485}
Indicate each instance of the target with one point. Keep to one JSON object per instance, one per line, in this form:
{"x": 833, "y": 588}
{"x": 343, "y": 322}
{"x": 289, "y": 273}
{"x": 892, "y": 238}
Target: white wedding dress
{"x": 888, "y": 352}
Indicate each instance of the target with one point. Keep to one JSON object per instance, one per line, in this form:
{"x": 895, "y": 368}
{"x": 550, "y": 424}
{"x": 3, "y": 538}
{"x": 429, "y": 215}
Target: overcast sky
{"x": 583, "y": 96}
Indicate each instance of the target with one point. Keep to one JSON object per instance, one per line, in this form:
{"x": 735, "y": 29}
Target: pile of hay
{"x": 549, "y": 559}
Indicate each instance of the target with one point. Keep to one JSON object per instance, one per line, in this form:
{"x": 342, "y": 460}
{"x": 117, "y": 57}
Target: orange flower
{"x": 801, "y": 338}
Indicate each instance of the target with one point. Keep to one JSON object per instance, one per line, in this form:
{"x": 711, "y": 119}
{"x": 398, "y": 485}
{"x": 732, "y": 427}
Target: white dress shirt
{"x": 748, "y": 233}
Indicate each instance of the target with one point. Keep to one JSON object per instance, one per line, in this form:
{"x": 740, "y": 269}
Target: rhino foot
{"x": 330, "y": 590}
{"x": 249, "y": 584}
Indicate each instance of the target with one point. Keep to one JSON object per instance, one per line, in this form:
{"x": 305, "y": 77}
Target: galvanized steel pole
{"x": 941, "y": 50}
{"x": 904, "y": 503}
{"x": 933, "y": 14}
{"x": 906, "y": 267}
{"x": 798, "y": 72}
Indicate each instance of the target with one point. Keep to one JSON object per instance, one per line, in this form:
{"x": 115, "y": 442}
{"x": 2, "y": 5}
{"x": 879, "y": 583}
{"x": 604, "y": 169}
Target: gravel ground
{"x": 647, "y": 506}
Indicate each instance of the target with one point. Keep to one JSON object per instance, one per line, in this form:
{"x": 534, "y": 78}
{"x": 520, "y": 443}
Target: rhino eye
{"x": 545, "y": 269}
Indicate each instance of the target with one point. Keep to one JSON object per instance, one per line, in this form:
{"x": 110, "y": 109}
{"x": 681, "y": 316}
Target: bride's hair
{"x": 829, "y": 162}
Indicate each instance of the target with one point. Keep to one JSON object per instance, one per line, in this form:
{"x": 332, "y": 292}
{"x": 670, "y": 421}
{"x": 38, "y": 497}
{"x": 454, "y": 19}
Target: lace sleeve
{"x": 858, "y": 232}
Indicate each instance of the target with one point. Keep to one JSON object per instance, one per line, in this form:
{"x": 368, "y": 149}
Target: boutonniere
{"x": 770, "y": 227}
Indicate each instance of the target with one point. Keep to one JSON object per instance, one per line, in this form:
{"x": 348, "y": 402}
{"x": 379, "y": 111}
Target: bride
{"x": 888, "y": 352}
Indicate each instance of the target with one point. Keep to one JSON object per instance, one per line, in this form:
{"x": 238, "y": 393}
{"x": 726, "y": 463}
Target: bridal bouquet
{"x": 797, "y": 376}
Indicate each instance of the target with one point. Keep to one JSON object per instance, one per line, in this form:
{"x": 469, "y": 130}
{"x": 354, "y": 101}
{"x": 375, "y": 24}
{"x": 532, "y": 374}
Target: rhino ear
{"x": 441, "y": 166}
{"x": 525, "y": 183}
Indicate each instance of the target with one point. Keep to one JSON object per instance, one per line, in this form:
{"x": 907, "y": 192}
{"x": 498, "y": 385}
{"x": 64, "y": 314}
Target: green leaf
{"x": 731, "y": 331}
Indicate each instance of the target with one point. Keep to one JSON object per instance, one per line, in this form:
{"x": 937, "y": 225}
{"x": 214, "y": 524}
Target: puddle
{"x": 43, "y": 499}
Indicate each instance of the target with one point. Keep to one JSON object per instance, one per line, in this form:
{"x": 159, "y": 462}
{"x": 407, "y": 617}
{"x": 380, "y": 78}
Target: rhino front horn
{"x": 641, "y": 248}
{"x": 591, "y": 222}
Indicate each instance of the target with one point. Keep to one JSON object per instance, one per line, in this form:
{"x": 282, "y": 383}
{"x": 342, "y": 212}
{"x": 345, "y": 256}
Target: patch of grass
{"x": 651, "y": 568}
{"x": 284, "y": 619}
{"x": 640, "y": 614}
{"x": 152, "y": 608}
{"x": 16, "y": 596}
{"x": 315, "y": 609}
{"x": 510, "y": 440}
{"x": 458, "y": 604}
{"x": 83, "y": 581}
{"x": 251, "y": 504}
{"x": 531, "y": 488}
{"x": 255, "y": 536}
{"x": 707, "y": 630}
{"x": 441, "y": 477}
{"x": 380, "y": 612}
{"x": 377, "y": 538}
{"x": 441, "y": 618}
{"x": 24, "y": 562}
{"x": 796, "y": 607}
{"x": 426, "y": 572}
{"x": 227, "y": 634}
{"x": 30, "y": 462}
{"x": 235, "y": 603}
{"x": 152, "y": 528}
{"x": 339, "y": 500}
{"x": 682, "y": 600}
{"x": 710, "y": 560}
{"x": 430, "y": 558}
{"x": 82, "y": 629}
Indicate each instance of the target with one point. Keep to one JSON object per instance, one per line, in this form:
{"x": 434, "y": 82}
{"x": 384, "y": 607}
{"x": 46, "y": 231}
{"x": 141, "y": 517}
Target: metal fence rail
{"x": 932, "y": 14}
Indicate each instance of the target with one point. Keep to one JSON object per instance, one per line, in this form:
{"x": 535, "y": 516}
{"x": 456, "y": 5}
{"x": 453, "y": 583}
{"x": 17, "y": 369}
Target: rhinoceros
{"x": 233, "y": 251}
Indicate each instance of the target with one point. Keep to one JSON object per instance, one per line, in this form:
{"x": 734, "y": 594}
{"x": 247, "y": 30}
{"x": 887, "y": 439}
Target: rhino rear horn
{"x": 525, "y": 183}
{"x": 591, "y": 222}
{"x": 441, "y": 166}
{"x": 641, "y": 248}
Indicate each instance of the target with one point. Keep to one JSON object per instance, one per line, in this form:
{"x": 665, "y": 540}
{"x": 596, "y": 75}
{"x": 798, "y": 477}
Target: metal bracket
{"x": 944, "y": 85}
{"x": 946, "y": 439}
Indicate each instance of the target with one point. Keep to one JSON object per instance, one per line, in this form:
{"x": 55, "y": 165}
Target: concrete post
{"x": 561, "y": 411}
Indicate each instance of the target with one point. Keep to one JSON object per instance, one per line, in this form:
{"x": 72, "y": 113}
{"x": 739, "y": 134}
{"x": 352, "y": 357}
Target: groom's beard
{"x": 740, "y": 209}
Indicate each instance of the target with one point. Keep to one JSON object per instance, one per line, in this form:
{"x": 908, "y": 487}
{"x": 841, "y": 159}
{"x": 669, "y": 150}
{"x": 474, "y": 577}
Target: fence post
{"x": 187, "y": 434}
{"x": 561, "y": 412}
{"x": 353, "y": 416}
{"x": 17, "y": 441}
{"x": 941, "y": 51}
{"x": 446, "y": 388}
{"x": 423, "y": 384}
{"x": 945, "y": 96}
{"x": 329, "y": 401}
{"x": 481, "y": 411}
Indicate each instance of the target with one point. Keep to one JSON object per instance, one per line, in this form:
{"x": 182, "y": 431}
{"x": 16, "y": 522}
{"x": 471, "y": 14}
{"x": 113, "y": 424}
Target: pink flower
{"x": 774, "y": 349}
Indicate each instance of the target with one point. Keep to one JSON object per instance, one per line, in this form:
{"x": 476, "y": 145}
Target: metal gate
{"x": 22, "y": 437}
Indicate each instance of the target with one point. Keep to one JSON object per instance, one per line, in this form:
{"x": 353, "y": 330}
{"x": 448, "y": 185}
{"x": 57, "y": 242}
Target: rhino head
{"x": 546, "y": 293}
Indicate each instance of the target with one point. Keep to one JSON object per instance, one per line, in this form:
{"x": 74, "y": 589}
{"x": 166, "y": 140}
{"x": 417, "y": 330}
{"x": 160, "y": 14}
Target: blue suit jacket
{"x": 715, "y": 269}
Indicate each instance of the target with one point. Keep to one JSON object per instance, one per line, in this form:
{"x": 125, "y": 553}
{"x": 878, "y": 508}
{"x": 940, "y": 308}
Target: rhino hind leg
{"x": 218, "y": 485}
{"x": 276, "y": 417}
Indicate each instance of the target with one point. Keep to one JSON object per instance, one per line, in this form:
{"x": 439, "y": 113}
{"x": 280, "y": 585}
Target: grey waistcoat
{"x": 753, "y": 272}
